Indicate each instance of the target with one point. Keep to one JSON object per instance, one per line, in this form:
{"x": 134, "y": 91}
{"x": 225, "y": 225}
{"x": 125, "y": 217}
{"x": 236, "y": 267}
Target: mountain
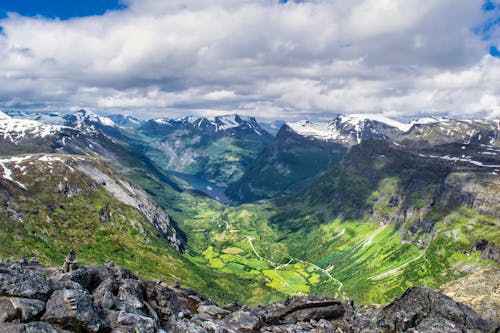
{"x": 304, "y": 149}
{"x": 78, "y": 119}
{"x": 434, "y": 131}
{"x": 273, "y": 127}
{"x": 125, "y": 120}
{"x": 216, "y": 149}
{"x": 57, "y": 188}
{"x": 86, "y": 137}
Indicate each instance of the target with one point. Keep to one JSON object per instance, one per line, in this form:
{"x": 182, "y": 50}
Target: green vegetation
{"x": 367, "y": 233}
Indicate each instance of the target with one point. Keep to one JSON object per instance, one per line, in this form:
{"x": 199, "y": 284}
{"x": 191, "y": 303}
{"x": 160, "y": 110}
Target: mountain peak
{"x": 85, "y": 117}
{"x": 349, "y": 129}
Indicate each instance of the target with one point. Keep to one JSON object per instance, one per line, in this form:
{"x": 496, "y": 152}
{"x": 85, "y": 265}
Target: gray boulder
{"x": 24, "y": 309}
{"x": 71, "y": 309}
{"x": 422, "y": 309}
{"x": 26, "y": 283}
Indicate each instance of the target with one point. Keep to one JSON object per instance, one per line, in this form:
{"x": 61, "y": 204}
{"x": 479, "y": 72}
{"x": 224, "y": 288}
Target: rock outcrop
{"x": 34, "y": 298}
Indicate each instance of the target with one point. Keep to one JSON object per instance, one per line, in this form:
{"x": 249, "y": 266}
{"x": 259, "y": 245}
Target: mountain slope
{"x": 302, "y": 150}
{"x": 386, "y": 218}
{"x": 216, "y": 150}
{"x": 51, "y": 203}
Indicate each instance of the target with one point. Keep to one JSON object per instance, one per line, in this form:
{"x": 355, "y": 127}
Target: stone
{"x": 11, "y": 328}
{"x": 131, "y": 293}
{"x": 70, "y": 264}
{"x": 28, "y": 308}
{"x": 41, "y": 327}
{"x": 69, "y": 308}
{"x": 417, "y": 304}
{"x": 242, "y": 321}
{"x": 212, "y": 310}
{"x": 25, "y": 283}
{"x": 141, "y": 323}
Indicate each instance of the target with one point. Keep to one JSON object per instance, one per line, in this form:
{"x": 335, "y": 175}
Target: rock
{"x": 242, "y": 321}
{"x": 304, "y": 308}
{"x": 70, "y": 308}
{"x": 140, "y": 323}
{"x": 70, "y": 264}
{"x": 11, "y": 328}
{"x": 112, "y": 299}
{"x": 41, "y": 327}
{"x": 25, "y": 283}
{"x": 25, "y": 309}
{"x": 417, "y": 304}
{"x": 131, "y": 293}
{"x": 212, "y": 310}
{"x": 110, "y": 264}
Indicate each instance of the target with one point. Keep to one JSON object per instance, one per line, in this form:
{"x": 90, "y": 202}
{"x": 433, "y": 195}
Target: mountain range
{"x": 360, "y": 207}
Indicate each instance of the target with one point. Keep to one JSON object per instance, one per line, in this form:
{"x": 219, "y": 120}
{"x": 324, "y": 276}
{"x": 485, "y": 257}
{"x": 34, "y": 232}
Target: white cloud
{"x": 256, "y": 57}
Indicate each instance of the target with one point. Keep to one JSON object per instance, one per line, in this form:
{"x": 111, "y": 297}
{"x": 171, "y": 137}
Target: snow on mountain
{"x": 15, "y": 130}
{"x": 83, "y": 117}
{"x": 349, "y": 129}
{"x": 321, "y": 131}
{"x": 358, "y": 119}
{"x": 216, "y": 124}
{"x": 125, "y": 120}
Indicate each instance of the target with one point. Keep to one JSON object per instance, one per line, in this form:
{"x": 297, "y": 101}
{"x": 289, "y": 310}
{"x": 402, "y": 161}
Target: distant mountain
{"x": 273, "y": 127}
{"x": 304, "y": 149}
{"x": 216, "y": 149}
{"x": 78, "y": 119}
{"x": 349, "y": 130}
{"x": 433, "y": 131}
{"x": 83, "y": 134}
{"x": 125, "y": 120}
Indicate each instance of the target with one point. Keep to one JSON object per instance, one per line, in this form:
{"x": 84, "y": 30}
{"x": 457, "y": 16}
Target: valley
{"x": 359, "y": 210}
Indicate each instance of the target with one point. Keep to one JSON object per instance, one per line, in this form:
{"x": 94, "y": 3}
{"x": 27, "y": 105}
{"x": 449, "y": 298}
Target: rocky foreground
{"x": 36, "y": 298}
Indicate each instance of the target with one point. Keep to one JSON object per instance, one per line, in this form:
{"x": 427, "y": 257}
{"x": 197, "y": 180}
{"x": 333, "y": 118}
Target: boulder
{"x": 421, "y": 309}
{"x": 242, "y": 321}
{"x": 26, "y": 283}
{"x": 24, "y": 309}
{"x": 71, "y": 309}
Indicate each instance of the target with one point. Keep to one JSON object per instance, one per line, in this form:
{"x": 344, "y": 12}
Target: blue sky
{"x": 62, "y": 9}
{"x": 276, "y": 58}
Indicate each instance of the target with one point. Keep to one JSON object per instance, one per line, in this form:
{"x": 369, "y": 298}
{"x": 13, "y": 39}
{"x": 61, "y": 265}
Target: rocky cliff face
{"x": 34, "y": 298}
{"x": 42, "y": 182}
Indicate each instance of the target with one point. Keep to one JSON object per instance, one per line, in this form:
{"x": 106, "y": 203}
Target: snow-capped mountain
{"x": 125, "y": 120}
{"x": 83, "y": 118}
{"x": 442, "y": 131}
{"x": 226, "y": 125}
{"x": 15, "y": 130}
{"x": 79, "y": 119}
{"x": 348, "y": 129}
{"x": 216, "y": 149}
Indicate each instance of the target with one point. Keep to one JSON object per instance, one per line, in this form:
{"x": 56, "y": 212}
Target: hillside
{"x": 302, "y": 150}
{"x": 217, "y": 149}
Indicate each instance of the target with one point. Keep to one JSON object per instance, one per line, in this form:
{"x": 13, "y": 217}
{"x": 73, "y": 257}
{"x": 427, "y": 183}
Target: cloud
{"x": 263, "y": 58}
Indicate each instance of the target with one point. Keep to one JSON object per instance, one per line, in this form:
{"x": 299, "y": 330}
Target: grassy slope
{"x": 48, "y": 224}
{"x": 343, "y": 227}
{"x": 262, "y": 252}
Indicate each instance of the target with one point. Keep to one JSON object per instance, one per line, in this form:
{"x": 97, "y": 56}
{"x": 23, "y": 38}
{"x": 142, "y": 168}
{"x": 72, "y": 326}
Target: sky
{"x": 272, "y": 59}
